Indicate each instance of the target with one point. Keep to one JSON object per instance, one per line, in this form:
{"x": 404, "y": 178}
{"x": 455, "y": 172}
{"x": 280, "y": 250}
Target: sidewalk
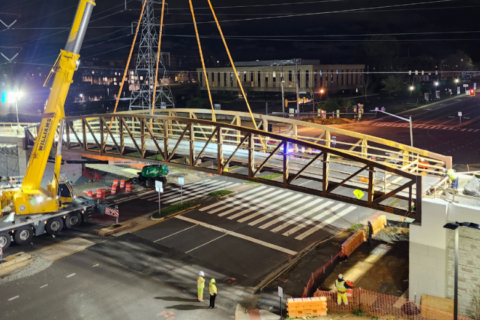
{"x": 254, "y": 314}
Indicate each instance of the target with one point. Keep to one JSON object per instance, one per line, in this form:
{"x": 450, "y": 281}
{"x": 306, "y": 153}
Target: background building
{"x": 266, "y": 76}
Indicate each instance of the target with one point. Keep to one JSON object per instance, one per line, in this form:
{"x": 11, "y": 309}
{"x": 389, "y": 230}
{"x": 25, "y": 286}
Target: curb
{"x": 174, "y": 214}
{"x": 108, "y": 231}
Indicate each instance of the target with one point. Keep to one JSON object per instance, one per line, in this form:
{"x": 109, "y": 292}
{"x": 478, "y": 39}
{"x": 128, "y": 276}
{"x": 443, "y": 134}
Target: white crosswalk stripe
{"x": 285, "y": 211}
{"x": 303, "y": 224}
{"x": 422, "y": 126}
{"x": 276, "y": 210}
{"x": 326, "y": 222}
{"x": 286, "y": 198}
{"x": 239, "y": 204}
{"x": 313, "y": 220}
{"x": 197, "y": 194}
{"x": 199, "y": 188}
{"x": 250, "y": 208}
{"x": 208, "y": 191}
{"x": 175, "y": 189}
{"x": 232, "y": 199}
{"x": 291, "y": 214}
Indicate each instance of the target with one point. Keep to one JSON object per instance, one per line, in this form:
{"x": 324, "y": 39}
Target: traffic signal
{"x": 4, "y": 96}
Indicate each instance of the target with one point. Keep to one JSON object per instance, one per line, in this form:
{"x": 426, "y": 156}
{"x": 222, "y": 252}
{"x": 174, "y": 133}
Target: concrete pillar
{"x": 302, "y": 78}
{"x": 262, "y": 79}
{"x": 311, "y": 74}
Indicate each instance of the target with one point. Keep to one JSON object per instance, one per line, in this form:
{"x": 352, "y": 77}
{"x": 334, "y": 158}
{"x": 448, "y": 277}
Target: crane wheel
{"x": 149, "y": 183}
{"x": 23, "y": 235}
{"x": 54, "y": 226}
{"x": 5, "y": 240}
{"x": 73, "y": 219}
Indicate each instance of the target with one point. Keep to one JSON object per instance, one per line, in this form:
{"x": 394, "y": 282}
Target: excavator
{"x": 36, "y": 210}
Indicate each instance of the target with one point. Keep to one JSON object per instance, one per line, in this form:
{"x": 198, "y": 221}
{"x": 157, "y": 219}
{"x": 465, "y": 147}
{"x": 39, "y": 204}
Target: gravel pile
{"x": 37, "y": 265}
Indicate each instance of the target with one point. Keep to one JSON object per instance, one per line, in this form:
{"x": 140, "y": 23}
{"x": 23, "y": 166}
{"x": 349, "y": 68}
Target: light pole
{"x": 455, "y": 226}
{"x": 411, "y": 90}
{"x": 404, "y": 119}
{"x": 14, "y": 97}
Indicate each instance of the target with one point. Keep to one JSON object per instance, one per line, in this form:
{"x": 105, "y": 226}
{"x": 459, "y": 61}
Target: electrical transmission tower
{"x": 145, "y": 67}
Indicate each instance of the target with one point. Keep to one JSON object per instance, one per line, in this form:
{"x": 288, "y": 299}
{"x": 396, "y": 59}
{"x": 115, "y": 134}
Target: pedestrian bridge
{"x": 302, "y": 156}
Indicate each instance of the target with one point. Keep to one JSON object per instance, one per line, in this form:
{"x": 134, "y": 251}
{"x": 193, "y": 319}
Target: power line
{"x": 263, "y": 5}
{"x": 318, "y": 13}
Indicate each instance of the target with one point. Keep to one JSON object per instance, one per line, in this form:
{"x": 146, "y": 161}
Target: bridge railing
{"x": 297, "y": 164}
{"x": 377, "y": 149}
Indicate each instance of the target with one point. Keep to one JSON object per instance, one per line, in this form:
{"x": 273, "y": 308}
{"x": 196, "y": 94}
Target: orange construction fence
{"x": 384, "y": 306}
{"x": 352, "y": 243}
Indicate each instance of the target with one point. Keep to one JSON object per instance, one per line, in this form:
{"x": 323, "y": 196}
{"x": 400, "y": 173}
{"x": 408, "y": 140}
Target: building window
{"x": 201, "y": 78}
{"x": 342, "y": 76}
{"x": 231, "y": 79}
{"x": 259, "y": 78}
{"x": 307, "y": 78}
{"x": 225, "y": 79}
{"x": 244, "y": 76}
{"x": 213, "y": 79}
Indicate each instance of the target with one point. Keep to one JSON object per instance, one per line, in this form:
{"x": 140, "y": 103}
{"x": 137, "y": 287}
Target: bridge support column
{"x": 285, "y": 163}
{"x": 325, "y": 173}
{"x": 192, "y": 144}
{"x": 220, "y": 159}
{"x": 251, "y": 159}
{"x": 165, "y": 139}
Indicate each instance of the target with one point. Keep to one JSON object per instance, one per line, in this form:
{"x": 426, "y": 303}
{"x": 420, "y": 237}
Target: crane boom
{"x": 31, "y": 198}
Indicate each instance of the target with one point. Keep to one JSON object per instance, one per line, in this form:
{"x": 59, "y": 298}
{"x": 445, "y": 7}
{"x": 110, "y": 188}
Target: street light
{"x": 454, "y": 226}
{"x": 401, "y": 118}
{"x": 456, "y": 80}
{"x": 14, "y": 97}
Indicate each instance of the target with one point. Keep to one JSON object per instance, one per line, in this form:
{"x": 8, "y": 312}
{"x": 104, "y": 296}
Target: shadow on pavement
{"x": 187, "y": 307}
{"x": 176, "y": 299}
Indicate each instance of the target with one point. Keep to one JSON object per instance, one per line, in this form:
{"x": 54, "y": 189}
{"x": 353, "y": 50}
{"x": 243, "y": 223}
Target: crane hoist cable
{"x": 125, "y": 73}
{"x": 233, "y": 64}
{"x": 129, "y": 59}
{"x": 158, "y": 60}
{"x": 203, "y": 61}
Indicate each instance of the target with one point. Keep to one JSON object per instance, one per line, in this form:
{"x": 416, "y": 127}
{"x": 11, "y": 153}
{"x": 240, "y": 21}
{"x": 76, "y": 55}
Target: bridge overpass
{"x": 335, "y": 161}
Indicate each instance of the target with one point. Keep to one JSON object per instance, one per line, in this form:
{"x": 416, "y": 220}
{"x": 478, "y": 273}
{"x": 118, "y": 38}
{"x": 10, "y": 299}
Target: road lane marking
{"x": 45, "y": 285}
{"x": 261, "y": 202}
{"x": 175, "y": 233}
{"x": 223, "y": 235}
{"x": 200, "y": 188}
{"x": 283, "y": 210}
{"x": 13, "y": 298}
{"x": 95, "y": 265}
{"x": 190, "y": 195}
{"x": 222, "y": 187}
{"x": 70, "y": 275}
{"x": 238, "y": 235}
{"x": 292, "y": 213}
{"x": 250, "y": 205}
{"x": 311, "y": 220}
{"x": 234, "y": 198}
{"x": 326, "y": 222}
{"x": 239, "y": 203}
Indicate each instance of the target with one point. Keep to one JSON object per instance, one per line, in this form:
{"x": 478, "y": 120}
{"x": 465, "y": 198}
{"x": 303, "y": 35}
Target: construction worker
{"x": 369, "y": 233}
{"x": 342, "y": 286}
{"x": 200, "y": 285}
{"x": 453, "y": 176}
{"x": 212, "y": 289}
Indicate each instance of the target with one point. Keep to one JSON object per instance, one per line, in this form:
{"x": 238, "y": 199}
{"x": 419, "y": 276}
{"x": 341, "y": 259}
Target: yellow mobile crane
{"x": 36, "y": 210}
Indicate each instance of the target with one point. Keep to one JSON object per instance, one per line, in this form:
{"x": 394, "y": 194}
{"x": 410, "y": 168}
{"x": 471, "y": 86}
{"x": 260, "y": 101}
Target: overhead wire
{"x": 320, "y": 13}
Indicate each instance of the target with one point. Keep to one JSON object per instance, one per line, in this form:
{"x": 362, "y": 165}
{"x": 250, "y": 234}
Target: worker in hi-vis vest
{"x": 453, "y": 176}
{"x": 212, "y": 289}
{"x": 342, "y": 287}
{"x": 200, "y": 285}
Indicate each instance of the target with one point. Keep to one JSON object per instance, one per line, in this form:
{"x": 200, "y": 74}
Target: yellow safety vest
{"x": 212, "y": 288}
{"x": 452, "y": 174}
{"x": 340, "y": 285}
{"x": 200, "y": 283}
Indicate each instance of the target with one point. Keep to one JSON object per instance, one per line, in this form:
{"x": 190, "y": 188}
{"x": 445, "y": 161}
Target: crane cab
{"x": 65, "y": 191}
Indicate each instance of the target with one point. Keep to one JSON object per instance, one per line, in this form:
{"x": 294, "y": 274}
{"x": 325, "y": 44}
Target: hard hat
{"x": 340, "y": 276}
{"x": 201, "y": 274}
{"x": 212, "y": 281}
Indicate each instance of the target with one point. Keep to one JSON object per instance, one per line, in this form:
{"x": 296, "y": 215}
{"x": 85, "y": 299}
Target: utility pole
{"x": 296, "y": 86}
{"x": 283, "y": 92}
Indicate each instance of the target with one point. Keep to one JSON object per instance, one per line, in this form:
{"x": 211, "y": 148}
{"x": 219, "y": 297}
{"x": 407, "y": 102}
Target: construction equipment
{"x": 36, "y": 210}
{"x": 150, "y": 174}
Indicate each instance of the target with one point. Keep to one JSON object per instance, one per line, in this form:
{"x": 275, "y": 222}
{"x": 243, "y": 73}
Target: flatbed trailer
{"x": 22, "y": 229}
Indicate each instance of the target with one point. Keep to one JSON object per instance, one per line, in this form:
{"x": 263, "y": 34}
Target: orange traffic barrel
{"x": 350, "y": 290}
{"x": 115, "y": 183}
{"x": 90, "y": 193}
{"x": 114, "y": 189}
{"x": 99, "y": 194}
{"x": 122, "y": 184}
{"x": 128, "y": 187}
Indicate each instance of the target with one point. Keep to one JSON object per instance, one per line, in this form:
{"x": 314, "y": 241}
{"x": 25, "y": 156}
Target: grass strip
{"x": 355, "y": 227}
{"x": 272, "y": 176}
{"x": 220, "y": 193}
{"x": 174, "y": 208}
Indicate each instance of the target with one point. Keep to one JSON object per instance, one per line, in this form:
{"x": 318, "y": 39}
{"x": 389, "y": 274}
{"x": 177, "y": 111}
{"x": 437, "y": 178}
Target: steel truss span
{"x": 312, "y": 166}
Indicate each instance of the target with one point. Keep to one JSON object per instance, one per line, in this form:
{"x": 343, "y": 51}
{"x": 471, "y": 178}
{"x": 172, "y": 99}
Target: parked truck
{"x": 150, "y": 174}
{"x": 30, "y": 210}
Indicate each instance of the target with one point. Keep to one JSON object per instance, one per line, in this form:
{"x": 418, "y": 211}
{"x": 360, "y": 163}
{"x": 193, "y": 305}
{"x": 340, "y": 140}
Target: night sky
{"x": 328, "y": 30}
